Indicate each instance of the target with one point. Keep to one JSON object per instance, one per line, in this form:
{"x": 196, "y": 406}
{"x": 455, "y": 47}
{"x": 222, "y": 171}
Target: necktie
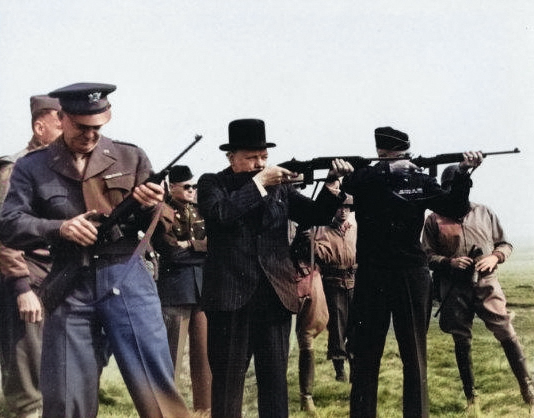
{"x": 80, "y": 162}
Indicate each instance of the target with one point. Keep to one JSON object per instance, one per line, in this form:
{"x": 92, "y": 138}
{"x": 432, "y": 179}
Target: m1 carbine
{"x": 108, "y": 228}
{"x": 306, "y": 168}
{"x": 470, "y": 274}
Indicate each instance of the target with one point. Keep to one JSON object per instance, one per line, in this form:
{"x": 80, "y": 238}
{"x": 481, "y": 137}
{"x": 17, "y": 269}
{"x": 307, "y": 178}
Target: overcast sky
{"x": 454, "y": 75}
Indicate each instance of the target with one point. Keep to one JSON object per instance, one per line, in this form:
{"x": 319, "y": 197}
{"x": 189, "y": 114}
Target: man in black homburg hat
{"x": 393, "y": 277}
{"x": 106, "y": 298}
{"x": 250, "y": 290}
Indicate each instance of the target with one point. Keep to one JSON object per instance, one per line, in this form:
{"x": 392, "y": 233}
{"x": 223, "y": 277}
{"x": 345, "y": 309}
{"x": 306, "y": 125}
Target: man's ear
{"x": 38, "y": 127}
{"x": 230, "y": 155}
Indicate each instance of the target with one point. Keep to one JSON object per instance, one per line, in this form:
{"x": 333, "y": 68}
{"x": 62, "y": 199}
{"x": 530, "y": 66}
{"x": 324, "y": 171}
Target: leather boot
{"x": 516, "y": 359}
{"x": 306, "y": 378}
{"x": 462, "y": 350}
{"x": 339, "y": 367}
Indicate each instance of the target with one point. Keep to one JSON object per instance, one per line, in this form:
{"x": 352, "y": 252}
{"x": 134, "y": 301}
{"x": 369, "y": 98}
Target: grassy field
{"x": 499, "y": 393}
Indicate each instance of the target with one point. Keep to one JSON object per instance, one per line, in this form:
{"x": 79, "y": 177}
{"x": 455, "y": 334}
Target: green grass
{"x": 497, "y": 387}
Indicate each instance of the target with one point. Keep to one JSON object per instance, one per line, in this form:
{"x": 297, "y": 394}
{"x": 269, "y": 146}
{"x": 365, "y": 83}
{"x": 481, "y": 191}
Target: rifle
{"x": 306, "y": 168}
{"x": 475, "y": 253}
{"x": 108, "y": 229}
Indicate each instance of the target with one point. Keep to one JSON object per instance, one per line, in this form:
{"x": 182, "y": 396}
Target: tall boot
{"x": 306, "y": 378}
{"x": 516, "y": 358}
{"x": 462, "y": 350}
{"x": 339, "y": 367}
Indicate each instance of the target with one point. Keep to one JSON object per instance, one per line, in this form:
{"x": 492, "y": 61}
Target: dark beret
{"x": 179, "y": 173}
{"x": 84, "y": 98}
{"x": 391, "y": 139}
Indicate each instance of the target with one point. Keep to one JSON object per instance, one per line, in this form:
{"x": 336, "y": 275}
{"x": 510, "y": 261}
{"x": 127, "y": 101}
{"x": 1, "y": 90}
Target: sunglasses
{"x": 189, "y": 186}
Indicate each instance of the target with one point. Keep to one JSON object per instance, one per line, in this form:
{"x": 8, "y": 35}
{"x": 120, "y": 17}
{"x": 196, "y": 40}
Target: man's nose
{"x": 90, "y": 133}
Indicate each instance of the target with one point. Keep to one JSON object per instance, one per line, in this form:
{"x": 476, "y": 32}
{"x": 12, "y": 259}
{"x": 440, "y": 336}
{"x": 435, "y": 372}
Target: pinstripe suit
{"x": 249, "y": 289}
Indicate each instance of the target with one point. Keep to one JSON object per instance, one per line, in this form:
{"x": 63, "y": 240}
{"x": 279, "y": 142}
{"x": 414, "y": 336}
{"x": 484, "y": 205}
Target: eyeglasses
{"x": 84, "y": 128}
{"x": 188, "y": 186}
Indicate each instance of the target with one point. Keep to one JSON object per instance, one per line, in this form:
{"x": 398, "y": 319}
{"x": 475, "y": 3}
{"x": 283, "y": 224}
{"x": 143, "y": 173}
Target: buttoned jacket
{"x": 46, "y": 189}
{"x": 247, "y": 237}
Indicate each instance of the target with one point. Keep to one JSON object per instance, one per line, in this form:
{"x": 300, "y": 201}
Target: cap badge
{"x": 94, "y": 97}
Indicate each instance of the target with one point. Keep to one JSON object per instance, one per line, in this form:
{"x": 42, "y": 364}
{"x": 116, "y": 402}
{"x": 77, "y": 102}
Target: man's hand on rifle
{"x": 273, "y": 175}
{"x": 80, "y": 229}
{"x": 403, "y": 167}
{"x": 149, "y": 194}
{"x": 471, "y": 160}
{"x": 461, "y": 263}
{"x": 487, "y": 264}
{"x": 339, "y": 169}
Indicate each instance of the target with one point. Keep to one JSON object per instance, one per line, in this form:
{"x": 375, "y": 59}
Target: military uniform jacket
{"x": 180, "y": 269}
{"x": 46, "y": 189}
{"x": 22, "y": 271}
{"x": 390, "y": 212}
{"x": 445, "y": 238}
{"x": 248, "y": 237}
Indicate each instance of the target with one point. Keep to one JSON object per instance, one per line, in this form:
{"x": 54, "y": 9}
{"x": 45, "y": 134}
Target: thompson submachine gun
{"x": 306, "y": 168}
{"x": 108, "y": 224}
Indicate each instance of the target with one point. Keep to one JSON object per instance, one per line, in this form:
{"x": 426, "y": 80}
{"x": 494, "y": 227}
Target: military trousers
{"x": 403, "y": 294}
{"x": 338, "y": 299}
{"x": 114, "y": 309}
{"x": 20, "y": 356}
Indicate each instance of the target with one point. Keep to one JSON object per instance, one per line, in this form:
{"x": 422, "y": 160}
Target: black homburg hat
{"x": 246, "y": 134}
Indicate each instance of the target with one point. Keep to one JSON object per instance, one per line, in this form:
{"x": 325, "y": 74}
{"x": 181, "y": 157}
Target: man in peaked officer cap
{"x": 101, "y": 286}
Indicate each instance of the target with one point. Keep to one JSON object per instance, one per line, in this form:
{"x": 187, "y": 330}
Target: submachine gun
{"x": 307, "y": 168}
{"x": 108, "y": 228}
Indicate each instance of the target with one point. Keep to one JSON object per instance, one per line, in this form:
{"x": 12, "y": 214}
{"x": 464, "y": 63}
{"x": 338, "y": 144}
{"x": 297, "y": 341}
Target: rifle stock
{"x": 306, "y": 168}
{"x": 128, "y": 205}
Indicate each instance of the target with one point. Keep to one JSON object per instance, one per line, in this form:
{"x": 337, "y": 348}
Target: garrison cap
{"x": 246, "y": 134}
{"x": 391, "y": 139}
{"x": 179, "y": 173}
{"x": 43, "y": 102}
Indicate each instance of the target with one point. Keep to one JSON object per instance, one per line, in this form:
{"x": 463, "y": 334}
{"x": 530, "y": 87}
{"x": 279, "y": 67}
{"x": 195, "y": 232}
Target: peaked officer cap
{"x": 86, "y": 99}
